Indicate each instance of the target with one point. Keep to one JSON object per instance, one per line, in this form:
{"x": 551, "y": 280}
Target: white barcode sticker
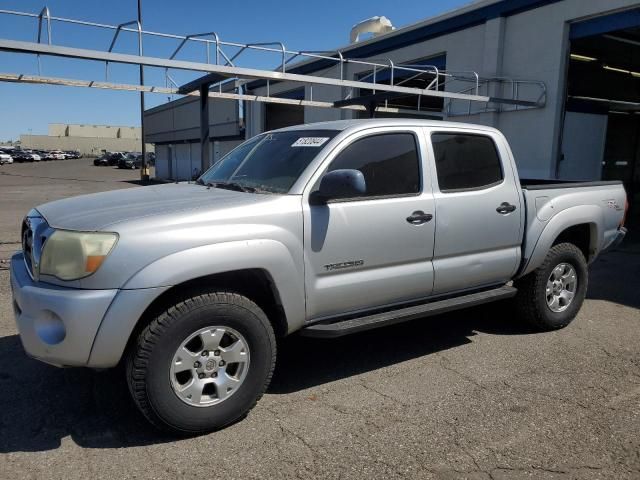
{"x": 310, "y": 142}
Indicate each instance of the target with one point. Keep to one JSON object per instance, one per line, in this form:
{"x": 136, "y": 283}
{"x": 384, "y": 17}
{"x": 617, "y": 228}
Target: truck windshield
{"x": 268, "y": 163}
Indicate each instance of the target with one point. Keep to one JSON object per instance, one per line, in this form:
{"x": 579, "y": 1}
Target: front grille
{"x": 27, "y": 245}
{"x": 35, "y": 231}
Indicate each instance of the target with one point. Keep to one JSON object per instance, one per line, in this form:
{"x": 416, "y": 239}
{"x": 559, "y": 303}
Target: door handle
{"x": 419, "y": 217}
{"x": 505, "y": 208}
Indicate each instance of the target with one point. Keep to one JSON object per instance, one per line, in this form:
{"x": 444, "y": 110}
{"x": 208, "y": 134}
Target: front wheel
{"x": 550, "y": 297}
{"x": 203, "y": 363}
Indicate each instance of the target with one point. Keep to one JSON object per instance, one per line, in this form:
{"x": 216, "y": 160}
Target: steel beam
{"x": 223, "y": 70}
{"x": 194, "y": 85}
{"x": 67, "y": 82}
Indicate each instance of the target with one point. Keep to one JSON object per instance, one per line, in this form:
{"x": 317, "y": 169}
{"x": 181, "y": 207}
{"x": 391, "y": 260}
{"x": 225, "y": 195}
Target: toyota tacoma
{"x": 324, "y": 229}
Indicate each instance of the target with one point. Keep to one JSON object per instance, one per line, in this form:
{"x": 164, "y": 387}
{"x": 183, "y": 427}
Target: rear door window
{"x": 466, "y": 161}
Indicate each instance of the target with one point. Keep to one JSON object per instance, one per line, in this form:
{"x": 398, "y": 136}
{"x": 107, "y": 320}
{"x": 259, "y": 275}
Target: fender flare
{"x": 150, "y": 282}
{"x": 570, "y": 217}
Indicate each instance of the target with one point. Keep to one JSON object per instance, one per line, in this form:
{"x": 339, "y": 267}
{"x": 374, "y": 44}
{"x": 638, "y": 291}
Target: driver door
{"x": 365, "y": 252}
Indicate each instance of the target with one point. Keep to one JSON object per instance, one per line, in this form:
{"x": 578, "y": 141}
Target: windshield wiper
{"x": 232, "y": 186}
{"x": 237, "y": 187}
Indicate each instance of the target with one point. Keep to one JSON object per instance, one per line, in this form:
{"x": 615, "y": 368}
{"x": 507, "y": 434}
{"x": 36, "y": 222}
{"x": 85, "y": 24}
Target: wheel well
{"x": 580, "y": 236}
{"x": 255, "y": 284}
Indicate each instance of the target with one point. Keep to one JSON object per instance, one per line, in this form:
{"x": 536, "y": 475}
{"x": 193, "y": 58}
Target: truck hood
{"x": 100, "y": 210}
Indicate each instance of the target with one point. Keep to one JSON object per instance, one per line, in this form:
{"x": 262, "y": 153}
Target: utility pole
{"x": 144, "y": 169}
{"x": 205, "y": 143}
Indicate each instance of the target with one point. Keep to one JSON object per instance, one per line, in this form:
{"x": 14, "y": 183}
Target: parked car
{"x": 102, "y": 160}
{"x": 109, "y": 158}
{"x": 132, "y": 161}
{"x": 44, "y": 154}
{"x": 26, "y": 156}
{"x": 57, "y": 155}
{"x": 115, "y": 157}
{"x": 5, "y": 157}
{"x": 16, "y": 155}
{"x": 325, "y": 229}
{"x": 72, "y": 154}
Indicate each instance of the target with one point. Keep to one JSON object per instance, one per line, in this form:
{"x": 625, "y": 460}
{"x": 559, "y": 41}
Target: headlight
{"x": 71, "y": 255}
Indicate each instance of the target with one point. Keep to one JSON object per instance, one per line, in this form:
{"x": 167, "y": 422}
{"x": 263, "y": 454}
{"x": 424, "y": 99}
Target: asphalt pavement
{"x": 473, "y": 394}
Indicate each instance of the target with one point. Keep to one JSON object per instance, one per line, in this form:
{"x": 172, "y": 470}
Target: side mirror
{"x": 339, "y": 184}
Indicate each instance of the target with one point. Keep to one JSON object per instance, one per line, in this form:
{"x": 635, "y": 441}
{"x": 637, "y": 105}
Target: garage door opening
{"x": 601, "y": 133}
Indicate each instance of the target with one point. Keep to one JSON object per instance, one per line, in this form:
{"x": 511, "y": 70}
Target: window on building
{"x": 466, "y": 161}
{"x": 389, "y": 163}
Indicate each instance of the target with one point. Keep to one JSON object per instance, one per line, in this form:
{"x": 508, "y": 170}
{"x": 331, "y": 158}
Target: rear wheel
{"x": 203, "y": 363}
{"x": 551, "y": 296}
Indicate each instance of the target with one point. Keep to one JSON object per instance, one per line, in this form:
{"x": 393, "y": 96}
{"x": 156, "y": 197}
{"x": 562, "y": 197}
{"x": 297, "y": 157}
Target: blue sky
{"x": 300, "y": 25}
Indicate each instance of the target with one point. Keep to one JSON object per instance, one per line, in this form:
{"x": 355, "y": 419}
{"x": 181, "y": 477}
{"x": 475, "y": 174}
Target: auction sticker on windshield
{"x": 310, "y": 142}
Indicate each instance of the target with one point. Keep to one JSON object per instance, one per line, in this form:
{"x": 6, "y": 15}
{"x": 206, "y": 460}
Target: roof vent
{"x": 375, "y": 25}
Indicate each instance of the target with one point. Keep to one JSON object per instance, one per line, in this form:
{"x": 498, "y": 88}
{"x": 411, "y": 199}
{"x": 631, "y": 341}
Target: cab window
{"x": 389, "y": 162}
{"x": 466, "y": 161}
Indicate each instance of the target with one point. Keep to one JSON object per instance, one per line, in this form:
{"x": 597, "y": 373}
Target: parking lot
{"x": 473, "y": 394}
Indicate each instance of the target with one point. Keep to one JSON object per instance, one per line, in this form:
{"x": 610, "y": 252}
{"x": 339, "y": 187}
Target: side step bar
{"x": 377, "y": 320}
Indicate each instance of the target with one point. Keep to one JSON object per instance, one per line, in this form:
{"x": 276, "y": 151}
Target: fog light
{"x": 50, "y": 328}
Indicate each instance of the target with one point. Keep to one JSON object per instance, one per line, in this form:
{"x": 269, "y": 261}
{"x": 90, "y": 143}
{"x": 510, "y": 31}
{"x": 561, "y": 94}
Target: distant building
{"x": 174, "y": 129}
{"x": 88, "y": 139}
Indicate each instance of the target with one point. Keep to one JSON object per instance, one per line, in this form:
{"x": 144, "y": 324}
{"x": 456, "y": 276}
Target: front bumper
{"x": 57, "y": 325}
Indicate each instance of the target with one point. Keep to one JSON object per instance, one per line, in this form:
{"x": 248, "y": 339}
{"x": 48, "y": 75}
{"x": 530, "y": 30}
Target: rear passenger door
{"x": 478, "y": 222}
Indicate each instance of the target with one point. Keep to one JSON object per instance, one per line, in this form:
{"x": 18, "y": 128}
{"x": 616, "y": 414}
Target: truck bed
{"x": 537, "y": 184}
{"x": 562, "y": 203}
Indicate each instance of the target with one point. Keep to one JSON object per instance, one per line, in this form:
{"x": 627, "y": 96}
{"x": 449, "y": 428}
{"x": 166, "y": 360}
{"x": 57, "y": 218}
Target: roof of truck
{"x": 384, "y": 122}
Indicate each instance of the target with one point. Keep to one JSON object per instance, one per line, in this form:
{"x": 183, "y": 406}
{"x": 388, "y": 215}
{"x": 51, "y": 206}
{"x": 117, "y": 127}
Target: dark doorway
{"x": 601, "y": 132}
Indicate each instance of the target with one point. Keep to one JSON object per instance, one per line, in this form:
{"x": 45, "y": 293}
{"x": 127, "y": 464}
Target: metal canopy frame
{"x": 66, "y": 82}
{"x": 452, "y": 87}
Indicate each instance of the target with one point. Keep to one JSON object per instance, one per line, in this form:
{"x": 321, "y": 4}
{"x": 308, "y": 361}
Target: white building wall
{"x": 162, "y": 162}
{"x": 92, "y": 131}
{"x": 184, "y": 162}
{"x": 129, "y": 132}
{"x": 179, "y": 121}
{"x": 181, "y": 161}
{"x": 175, "y": 129}
{"x": 530, "y": 45}
{"x": 322, "y": 94}
{"x": 57, "y": 129}
{"x": 536, "y": 47}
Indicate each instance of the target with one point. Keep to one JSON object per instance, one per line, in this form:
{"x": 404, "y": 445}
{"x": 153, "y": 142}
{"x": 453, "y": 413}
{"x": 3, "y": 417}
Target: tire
{"x": 152, "y": 358}
{"x": 532, "y": 301}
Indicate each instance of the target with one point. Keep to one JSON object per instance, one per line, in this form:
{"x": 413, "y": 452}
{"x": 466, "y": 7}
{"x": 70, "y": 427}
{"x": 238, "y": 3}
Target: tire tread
{"x": 139, "y": 354}
{"x": 530, "y": 285}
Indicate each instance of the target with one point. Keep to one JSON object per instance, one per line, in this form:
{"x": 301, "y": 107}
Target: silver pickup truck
{"x": 324, "y": 229}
